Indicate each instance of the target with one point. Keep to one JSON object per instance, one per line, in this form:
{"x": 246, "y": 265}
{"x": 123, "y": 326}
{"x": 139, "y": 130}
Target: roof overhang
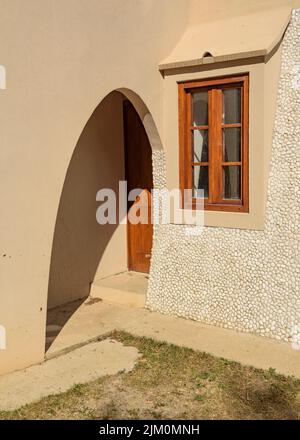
{"x": 240, "y": 37}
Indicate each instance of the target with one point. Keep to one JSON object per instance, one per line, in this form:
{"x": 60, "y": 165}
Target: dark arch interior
{"x": 80, "y": 248}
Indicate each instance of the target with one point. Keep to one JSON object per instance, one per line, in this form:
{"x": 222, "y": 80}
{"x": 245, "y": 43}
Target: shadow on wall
{"x": 80, "y": 250}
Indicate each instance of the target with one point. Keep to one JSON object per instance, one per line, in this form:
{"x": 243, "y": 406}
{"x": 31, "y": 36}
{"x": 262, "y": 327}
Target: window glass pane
{"x": 200, "y": 181}
{"x": 232, "y": 182}
{"x": 232, "y": 106}
{"x": 200, "y": 145}
{"x": 231, "y": 145}
{"x": 200, "y": 108}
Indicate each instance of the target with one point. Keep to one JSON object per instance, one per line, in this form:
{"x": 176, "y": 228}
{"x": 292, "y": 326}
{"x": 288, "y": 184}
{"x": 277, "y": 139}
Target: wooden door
{"x": 138, "y": 162}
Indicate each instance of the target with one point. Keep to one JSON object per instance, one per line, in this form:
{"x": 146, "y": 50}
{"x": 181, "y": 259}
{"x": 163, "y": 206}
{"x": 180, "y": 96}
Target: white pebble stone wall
{"x": 242, "y": 279}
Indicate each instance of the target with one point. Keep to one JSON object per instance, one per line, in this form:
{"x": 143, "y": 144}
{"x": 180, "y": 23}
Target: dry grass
{"x": 171, "y": 382}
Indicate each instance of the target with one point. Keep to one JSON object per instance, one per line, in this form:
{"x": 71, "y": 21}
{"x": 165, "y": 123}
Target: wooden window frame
{"x": 215, "y": 126}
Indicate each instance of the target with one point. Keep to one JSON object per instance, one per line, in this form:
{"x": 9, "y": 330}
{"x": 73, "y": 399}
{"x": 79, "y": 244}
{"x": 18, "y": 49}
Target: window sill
{"x": 234, "y": 206}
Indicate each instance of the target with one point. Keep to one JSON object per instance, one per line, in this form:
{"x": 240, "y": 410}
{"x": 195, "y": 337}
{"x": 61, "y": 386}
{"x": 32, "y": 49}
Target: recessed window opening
{"x": 214, "y": 142}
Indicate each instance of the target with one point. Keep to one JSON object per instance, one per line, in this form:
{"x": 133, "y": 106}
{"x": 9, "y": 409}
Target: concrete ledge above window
{"x": 236, "y": 38}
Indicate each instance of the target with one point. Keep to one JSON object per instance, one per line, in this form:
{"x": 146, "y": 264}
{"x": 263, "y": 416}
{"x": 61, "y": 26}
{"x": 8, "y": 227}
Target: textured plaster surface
{"x": 241, "y": 279}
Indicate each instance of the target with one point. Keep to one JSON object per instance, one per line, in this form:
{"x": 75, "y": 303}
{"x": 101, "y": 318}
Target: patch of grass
{"x": 173, "y": 382}
{"x": 199, "y": 398}
{"x": 78, "y": 389}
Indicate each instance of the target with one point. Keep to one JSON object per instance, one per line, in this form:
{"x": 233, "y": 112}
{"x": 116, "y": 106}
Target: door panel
{"x": 138, "y": 159}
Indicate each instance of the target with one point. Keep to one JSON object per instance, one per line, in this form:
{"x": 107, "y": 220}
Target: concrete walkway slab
{"x": 92, "y": 320}
{"x": 128, "y": 288}
{"x": 57, "y": 375}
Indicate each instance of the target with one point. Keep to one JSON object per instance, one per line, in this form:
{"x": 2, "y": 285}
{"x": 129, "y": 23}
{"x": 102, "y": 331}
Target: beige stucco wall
{"x": 220, "y": 9}
{"x": 62, "y": 58}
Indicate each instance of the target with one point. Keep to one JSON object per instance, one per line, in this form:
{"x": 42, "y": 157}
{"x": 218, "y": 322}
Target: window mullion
{"x": 215, "y": 145}
{"x": 189, "y": 182}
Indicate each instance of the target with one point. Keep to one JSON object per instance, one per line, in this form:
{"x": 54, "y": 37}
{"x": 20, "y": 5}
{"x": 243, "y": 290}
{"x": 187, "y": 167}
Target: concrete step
{"x": 127, "y": 288}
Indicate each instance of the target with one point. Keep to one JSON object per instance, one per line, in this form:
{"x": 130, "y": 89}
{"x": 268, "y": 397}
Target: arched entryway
{"x": 116, "y": 144}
